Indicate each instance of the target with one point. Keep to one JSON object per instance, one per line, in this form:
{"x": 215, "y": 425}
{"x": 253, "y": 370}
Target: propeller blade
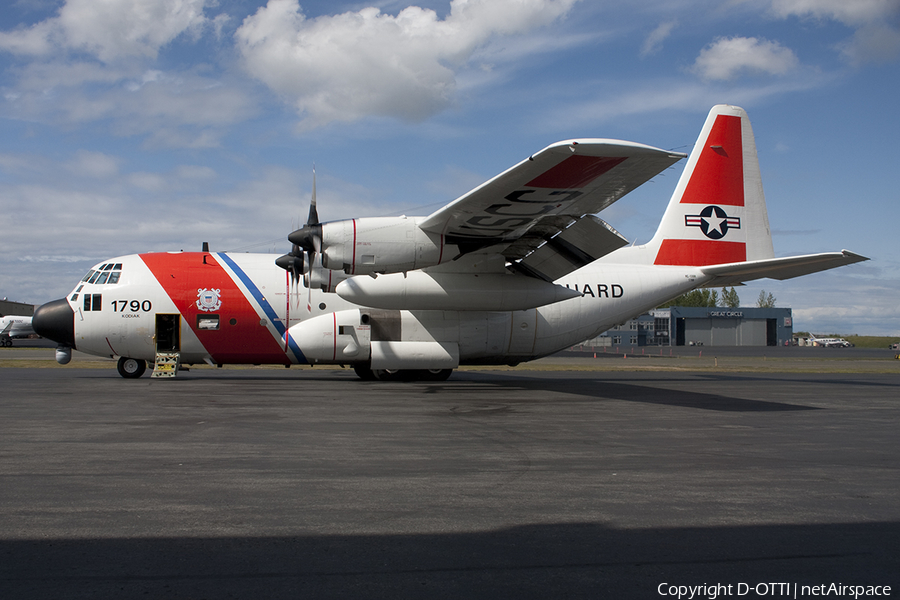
{"x": 313, "y": 218}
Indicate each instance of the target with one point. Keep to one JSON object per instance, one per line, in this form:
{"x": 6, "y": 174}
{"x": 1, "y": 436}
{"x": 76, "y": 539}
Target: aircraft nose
{"x": 55, "y": 321}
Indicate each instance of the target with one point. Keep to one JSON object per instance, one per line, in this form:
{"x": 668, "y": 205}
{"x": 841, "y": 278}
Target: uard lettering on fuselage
{"x": 518, "y": 268}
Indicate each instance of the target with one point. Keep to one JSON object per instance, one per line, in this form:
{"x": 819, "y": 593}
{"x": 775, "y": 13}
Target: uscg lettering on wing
{"x": 604, "y": 290}
{"x": 522, "y": 207}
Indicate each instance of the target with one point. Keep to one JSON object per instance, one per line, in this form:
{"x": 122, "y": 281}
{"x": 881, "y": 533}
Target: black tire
{"x": 364, "y": 372}
{"x": 131, "y": 368}
{"x": 437, "y": 374}
{"x": 388, "y": 374}
{"x": 412, "y": 374}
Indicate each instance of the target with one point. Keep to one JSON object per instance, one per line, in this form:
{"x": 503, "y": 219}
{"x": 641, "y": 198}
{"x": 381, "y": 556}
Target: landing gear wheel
{"x": 388, "y": 374}
{"x": 436, "y": 374}
{"x": 131, "y": 368}
{"x": 364, "y": 372}
{"x": 412, "y": 374}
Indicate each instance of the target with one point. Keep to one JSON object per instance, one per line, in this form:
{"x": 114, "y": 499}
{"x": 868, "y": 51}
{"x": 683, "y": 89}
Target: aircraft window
{"x": 94, "y": 277}
{"x": 93, "y": 302}
{"x": 79, "y": 288}
{"x": 113, "y": 277}
{"x": 108, "y": 267}
{"x": 118, "y": 267}
{"x": 102, "y": 279}
{"x": 208, "y": 322}
{"x": 74, "y": 297}
{"x": 88, "y": 276}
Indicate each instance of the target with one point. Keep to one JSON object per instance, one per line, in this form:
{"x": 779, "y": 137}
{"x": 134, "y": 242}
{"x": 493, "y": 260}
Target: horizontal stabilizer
{"x": 779, "y": 268}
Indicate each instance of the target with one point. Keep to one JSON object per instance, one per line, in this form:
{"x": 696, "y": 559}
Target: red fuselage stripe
{"x": 353, "y": 268}
{"x": 241, "y": 338}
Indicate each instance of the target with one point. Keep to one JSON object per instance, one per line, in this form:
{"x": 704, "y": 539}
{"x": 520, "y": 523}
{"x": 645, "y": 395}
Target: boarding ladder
{"x": 167, "y": 364}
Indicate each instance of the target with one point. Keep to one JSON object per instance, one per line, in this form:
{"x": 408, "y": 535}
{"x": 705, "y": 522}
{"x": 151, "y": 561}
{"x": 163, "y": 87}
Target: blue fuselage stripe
{"x": 261, "y": 300}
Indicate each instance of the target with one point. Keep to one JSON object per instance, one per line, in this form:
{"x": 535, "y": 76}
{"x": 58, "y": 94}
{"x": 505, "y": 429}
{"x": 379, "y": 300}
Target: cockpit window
{"x": 107, "y": 273}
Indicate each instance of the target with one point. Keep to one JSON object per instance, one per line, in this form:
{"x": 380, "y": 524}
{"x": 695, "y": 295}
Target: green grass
{"x": 871, "y": 341}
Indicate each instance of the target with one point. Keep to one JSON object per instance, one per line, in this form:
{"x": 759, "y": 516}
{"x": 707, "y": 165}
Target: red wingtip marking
{"x": 575, "y": 172}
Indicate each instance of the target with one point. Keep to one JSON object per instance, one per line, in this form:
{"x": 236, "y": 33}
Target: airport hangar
{"x": 707, "y": 326}
{"x": 8, "y": 307}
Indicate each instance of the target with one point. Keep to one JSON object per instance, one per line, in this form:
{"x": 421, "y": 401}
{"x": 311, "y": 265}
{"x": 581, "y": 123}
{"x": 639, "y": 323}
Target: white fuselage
{"x": 242, "y": 308}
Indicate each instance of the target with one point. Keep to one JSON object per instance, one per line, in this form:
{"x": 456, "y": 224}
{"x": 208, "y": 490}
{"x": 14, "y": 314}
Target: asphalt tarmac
{"x": 263, "y": 483}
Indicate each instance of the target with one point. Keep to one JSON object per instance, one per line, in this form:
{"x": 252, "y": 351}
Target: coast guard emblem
{"x": 208, "y": 300}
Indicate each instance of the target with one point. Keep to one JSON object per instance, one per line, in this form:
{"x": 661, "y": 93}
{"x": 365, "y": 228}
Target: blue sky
{"x": 140, "y": 125}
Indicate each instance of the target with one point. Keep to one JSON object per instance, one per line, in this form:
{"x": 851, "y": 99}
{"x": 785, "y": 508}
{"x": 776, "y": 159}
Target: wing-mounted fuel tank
{"x": 417, "y": 290}
{"x": 376, "y": 245}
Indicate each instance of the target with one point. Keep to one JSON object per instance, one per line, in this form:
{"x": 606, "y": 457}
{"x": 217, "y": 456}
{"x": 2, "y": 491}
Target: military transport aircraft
{"x": 518, "y": 268}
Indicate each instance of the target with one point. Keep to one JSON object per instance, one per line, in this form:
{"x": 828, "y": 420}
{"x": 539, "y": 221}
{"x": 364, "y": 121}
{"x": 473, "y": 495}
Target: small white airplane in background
{"x": 830, "y": 342}
{"x": 14, "y": 326}
{"x": 516, "y": 269}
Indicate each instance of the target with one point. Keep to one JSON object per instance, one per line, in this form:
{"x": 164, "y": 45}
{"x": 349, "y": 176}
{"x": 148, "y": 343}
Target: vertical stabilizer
{"x": 717, "y": 213}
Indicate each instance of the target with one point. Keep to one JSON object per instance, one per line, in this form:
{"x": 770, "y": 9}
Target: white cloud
{"x": 849, "y": 12}
{"x": 726, "y": 58}
{"x": 185, "y": 109}
{"x": 109, "y": 29}
{"x": 348, "y": 66}
{"x": 654, "y": 41}
{"x": 35, "y": 40}
{"x": 94, "y": 164}
{"x": 872, "y": 43}
{"x": 876, "y": 36}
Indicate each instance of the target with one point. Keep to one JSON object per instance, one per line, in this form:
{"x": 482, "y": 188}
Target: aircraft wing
{"x": 779, "y": 268}
{"x": 539, "y": 213}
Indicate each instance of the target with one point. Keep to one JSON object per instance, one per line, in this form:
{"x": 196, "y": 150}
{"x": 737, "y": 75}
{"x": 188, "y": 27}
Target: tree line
{"x": 727, "y": 299}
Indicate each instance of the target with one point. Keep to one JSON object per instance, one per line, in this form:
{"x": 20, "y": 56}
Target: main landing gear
{"x": 131, "y": 368}
{"x": 367, "y": 374}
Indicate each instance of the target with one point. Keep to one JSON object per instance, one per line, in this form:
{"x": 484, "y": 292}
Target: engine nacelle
{"x": 324, "y": 279}
{"x": 382, "y": 245}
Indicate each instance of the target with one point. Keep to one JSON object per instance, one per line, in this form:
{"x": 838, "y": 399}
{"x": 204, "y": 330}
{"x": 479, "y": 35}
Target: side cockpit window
{"x": 93, "y": 302}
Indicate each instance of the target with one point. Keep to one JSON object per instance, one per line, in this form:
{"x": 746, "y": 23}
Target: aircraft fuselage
{"x": 224, "y": 308}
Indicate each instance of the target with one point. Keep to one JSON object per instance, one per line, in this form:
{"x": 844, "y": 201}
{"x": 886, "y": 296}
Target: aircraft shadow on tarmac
{"x": 580, "y": 560}
{"x": 590, "y": 387}
{"x": 637, "y": 392}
